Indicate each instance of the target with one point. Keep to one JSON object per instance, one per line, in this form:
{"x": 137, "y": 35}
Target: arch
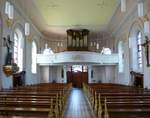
{"x": 17, "y": 25}
{"x": 35, "y": 39}
{"x": 19, "y": 43}
{"x": 137, "y": 26}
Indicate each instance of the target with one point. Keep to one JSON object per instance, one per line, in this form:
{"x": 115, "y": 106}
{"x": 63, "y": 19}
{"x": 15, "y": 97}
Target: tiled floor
{"x": 77, "y": 106}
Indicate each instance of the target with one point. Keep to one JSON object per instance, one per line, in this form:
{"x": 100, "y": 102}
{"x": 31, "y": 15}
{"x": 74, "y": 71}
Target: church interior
{"x": 75, "y": 58}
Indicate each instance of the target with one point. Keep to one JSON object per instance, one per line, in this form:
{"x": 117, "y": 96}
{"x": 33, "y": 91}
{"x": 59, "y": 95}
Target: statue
{"x": 10, "y": 67}
{"x": 9, "y": 45}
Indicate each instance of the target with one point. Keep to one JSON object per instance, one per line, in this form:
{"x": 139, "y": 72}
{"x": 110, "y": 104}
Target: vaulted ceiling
{"x": 53, "y": 16}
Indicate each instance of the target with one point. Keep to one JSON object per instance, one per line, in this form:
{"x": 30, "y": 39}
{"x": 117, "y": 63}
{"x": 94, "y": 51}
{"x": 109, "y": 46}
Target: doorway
{"x": 19, "y": 79}
{"x": 137, "y": 79}
{"x": 77, "y": 75}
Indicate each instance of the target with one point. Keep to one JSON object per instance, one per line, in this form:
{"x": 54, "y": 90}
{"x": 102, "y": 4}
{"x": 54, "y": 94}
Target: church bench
{"x": 118, "y": 97}
{"x": 34, "y": 97}
{"x": 129, "y": 113}
{"x": 24, "y": 111}
{"x": 31, "y": 104}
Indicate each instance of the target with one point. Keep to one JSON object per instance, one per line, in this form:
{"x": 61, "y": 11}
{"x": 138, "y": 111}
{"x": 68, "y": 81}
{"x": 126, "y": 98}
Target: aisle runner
{"x": 77, "y": 106}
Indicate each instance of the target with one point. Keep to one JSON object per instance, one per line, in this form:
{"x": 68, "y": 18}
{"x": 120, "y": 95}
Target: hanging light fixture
{"x": 140, "y": 8}
{"x": 123, "y": 5}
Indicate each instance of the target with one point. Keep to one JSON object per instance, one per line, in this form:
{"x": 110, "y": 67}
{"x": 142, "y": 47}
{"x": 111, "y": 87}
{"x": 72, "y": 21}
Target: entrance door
{"x": 77, "y": 78}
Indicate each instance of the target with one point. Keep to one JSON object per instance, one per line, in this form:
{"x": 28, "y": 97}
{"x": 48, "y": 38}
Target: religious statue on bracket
{"x": 10, "y": 67}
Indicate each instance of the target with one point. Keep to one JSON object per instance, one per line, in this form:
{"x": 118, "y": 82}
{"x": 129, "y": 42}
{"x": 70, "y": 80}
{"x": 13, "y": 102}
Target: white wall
{"x": 44, "y": 74}
{"x": 53, "y": 73}
{"x": 19, "y": 20}
{"x": 123, "y": 27}
{"x": 61, "y": 79}
{"x": 102, "y": 74}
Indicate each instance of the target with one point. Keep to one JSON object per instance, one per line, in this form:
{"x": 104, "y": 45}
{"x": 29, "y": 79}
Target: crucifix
{"x": 146, "y": 46}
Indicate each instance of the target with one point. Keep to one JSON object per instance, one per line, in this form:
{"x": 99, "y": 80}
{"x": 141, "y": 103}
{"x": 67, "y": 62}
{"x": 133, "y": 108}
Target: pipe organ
{"x": 77, "y": 40}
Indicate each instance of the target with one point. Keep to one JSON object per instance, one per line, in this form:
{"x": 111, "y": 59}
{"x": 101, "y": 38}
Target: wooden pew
{"x": 115, "y": 101}
{"x": 43, "y": 99}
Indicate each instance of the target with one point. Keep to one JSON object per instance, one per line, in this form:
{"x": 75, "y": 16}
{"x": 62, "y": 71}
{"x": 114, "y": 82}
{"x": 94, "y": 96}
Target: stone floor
{"x": 77, "y": 106}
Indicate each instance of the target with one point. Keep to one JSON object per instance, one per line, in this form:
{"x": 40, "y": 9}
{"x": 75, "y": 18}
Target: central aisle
{"x": 77, "y": 106}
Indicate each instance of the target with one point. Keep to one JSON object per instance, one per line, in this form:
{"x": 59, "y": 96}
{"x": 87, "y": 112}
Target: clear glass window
{"x": 139, "y": 49}
{"x": 18, "y": 49}
{"x": 34, "y": 52}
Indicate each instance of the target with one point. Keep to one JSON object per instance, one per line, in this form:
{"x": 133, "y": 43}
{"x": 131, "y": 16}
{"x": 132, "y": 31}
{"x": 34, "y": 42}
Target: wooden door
{"x": 77, "y": 78}
{"x": 137, "y": 79}
{"x": 19, "y": 79}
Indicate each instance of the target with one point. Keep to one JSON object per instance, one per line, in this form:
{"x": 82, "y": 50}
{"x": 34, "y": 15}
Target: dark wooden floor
{"x": 77, "y": 106}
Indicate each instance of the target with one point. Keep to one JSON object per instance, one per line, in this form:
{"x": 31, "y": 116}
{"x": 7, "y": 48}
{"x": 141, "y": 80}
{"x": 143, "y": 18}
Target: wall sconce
{"x": 146, "y": 26}
{"x": 140, "y": 8}
{"x": 9, "y": 11}
{"x": 27, "y": 31}
{"x": 123, "y": 5}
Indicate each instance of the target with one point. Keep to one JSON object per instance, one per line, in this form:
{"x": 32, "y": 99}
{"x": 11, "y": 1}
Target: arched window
{"x": 121, "y": 54}
{"x": 139, "y": 49}
{"x": 34, "y": 52}
{"x": 18, "y": 48}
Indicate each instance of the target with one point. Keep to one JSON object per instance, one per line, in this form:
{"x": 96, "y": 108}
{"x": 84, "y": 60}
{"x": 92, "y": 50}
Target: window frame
{"x": 18, "y": 48}
{"x": 33, "y": 65}
{"x": 139, "y": 49}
